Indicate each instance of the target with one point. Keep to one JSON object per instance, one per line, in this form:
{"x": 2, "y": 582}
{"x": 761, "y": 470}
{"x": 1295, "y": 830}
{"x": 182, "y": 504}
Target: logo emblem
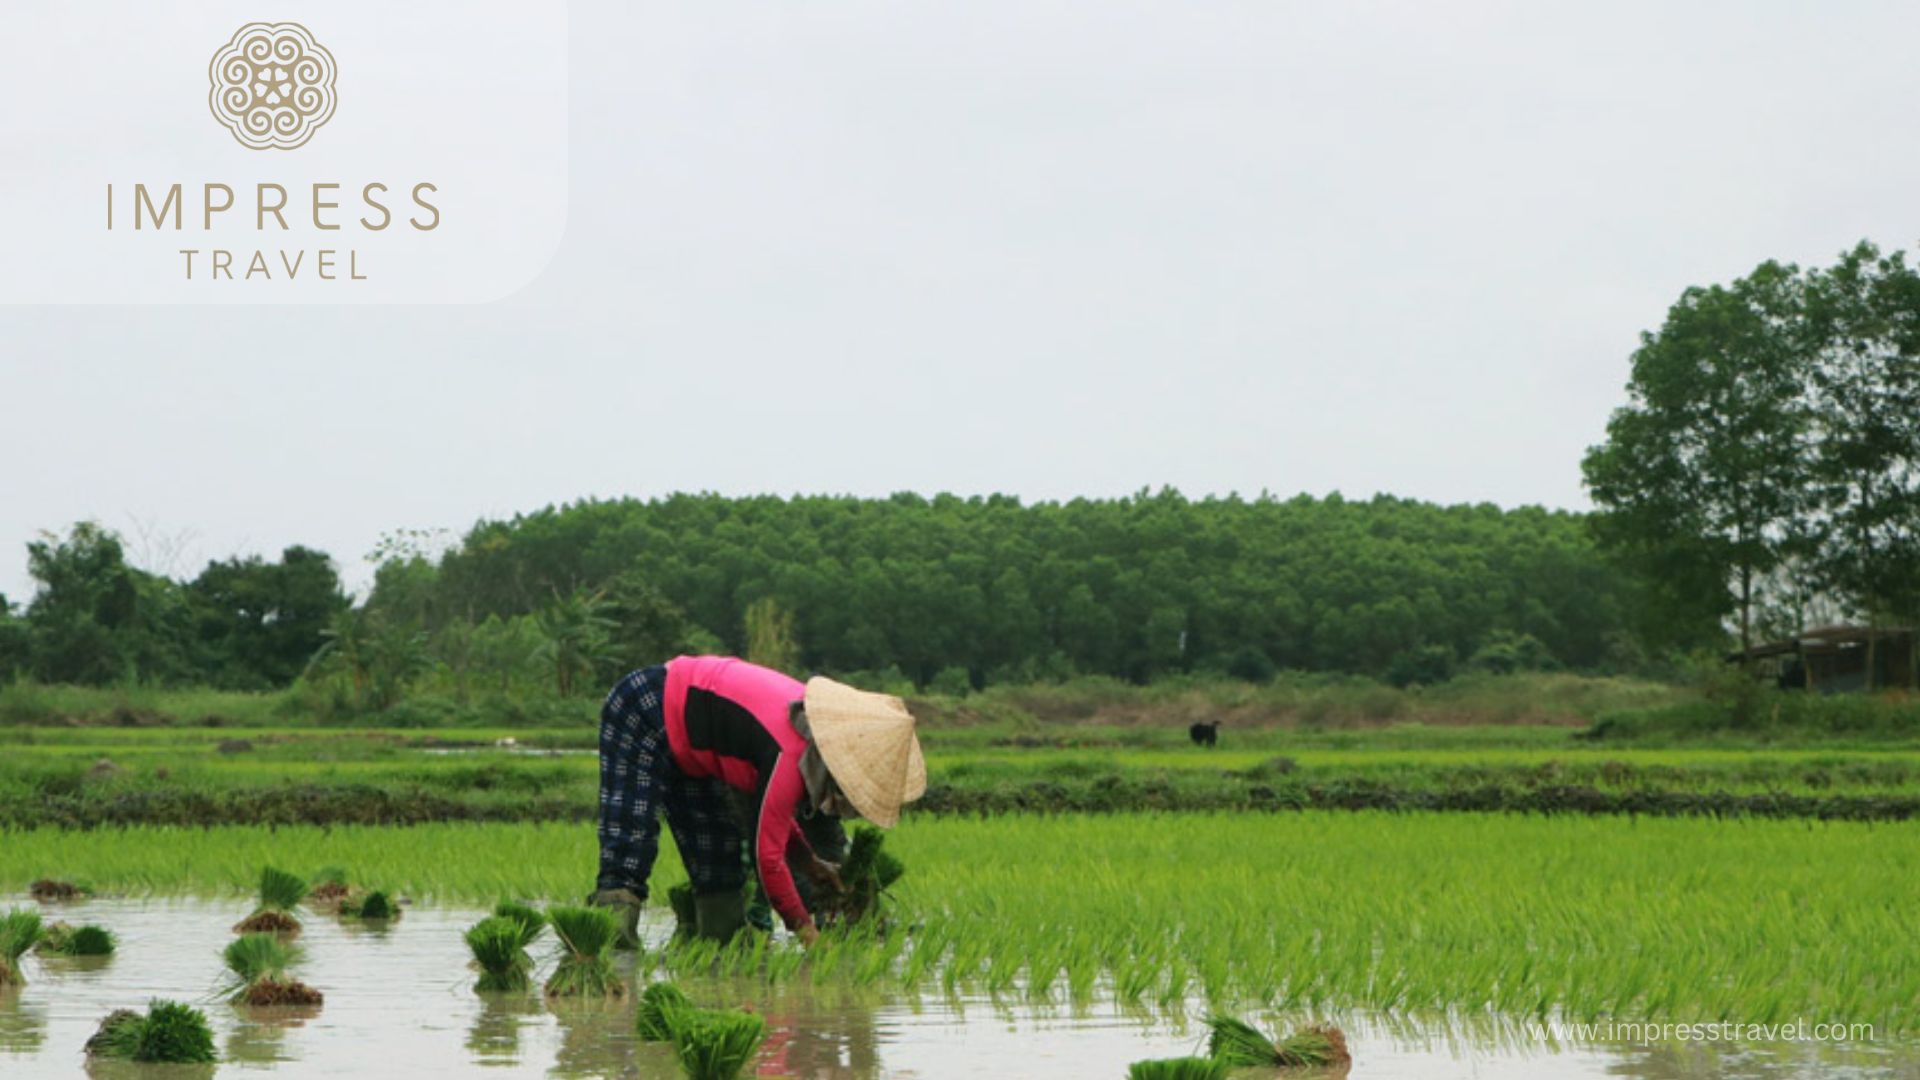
{"x": 272, "y": 85}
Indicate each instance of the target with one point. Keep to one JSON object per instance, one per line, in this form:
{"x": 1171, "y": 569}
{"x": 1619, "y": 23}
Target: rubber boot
{"x": 626, "y": 910}
{"x": 720, "y": 915}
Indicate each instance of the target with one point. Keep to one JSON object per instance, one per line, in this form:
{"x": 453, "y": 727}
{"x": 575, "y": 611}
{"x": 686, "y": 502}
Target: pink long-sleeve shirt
{"x": 730, "y": 720}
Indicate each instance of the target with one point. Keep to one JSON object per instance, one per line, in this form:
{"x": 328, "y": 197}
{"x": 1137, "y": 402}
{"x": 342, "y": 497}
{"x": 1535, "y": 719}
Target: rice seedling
{"x": 585, "y": 967}
{"x": 715, "y": 1044}
{"x": 63, "y": 940}
{"x": 373, "y": 906}
{"x": 867, "y": 872}
{"x": 499, "y": 951}
{"x": 280, "y": 893}
{"x": 1180, "y": 1068}
{"x": 258, "y": 965}
{"x": 328, "y": 889}
{"x": 1238, "y": 1043}
{"x": 660, "y": 1006}
{"x": 528, "y": 919}
{"x": 168, "y": 1033}
{"x": 19, "y": 931}
{"x": 50, "y": 891}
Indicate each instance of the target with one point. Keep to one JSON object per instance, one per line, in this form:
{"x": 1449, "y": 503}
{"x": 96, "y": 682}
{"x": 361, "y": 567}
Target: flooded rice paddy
{"x": 399, "y": 1003}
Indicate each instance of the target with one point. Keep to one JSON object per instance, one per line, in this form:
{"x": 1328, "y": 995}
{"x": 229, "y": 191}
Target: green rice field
{"x": 1581, "y": 917}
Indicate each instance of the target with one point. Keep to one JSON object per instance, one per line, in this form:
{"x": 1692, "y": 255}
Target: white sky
{"x": 1045, "y": 248}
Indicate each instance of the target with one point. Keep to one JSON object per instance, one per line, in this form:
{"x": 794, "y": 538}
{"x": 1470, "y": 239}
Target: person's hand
{"x": 808, "y": 933}
{"x": 826, "y": 875}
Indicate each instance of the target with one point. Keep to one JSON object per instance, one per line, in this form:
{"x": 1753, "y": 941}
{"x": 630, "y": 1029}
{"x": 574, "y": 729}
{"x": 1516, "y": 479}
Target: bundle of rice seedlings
{"x": 65, "y": 940}
{"x": 586, "y": 942}
{"x": 19, "y": 931}
{"x": 716, "y": 1044}
{"x": 1238, "y": 1043}
{"x": 258, "y": 963}
{"x": 1180, "y": 1068}
{"x": 375, "y": 905}
{"x": 48, "y": 891}
{"x": 867, "y": 873}
{"x": 329, "y": 889}
{"x": 498, "y": 948}
{"x": 169, "y": 1033}
{"x": 530, "y": 921}
{"x": 661, "y": 1006}
{"x": 280, "y": 893}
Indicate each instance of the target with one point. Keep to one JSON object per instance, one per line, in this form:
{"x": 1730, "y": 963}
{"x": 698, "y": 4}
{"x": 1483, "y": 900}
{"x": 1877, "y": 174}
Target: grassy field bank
{"x": 1650, "y": 919}
{"x": 93, "y": 776}
{"x": 1291, "y": 700}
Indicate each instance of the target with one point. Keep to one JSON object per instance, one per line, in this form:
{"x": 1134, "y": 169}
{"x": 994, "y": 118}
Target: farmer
{"x": 685, "y": 736}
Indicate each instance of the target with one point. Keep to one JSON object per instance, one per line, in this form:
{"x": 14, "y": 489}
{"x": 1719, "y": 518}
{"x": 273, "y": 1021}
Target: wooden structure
{"x": 1834, "y": 659}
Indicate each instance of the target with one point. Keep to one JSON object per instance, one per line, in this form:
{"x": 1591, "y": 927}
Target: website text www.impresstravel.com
{"x": 1651, "y": 1032}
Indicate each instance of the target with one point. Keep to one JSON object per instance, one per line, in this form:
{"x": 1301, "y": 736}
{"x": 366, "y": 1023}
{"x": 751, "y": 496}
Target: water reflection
{"x": 23, "y": 1022}
{"x": 494, "y": 1037}
{"x": 261, "y": 1035}
{"x": 596, "y": 1038}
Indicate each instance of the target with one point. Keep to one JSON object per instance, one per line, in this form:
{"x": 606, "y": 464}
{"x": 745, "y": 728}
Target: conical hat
{"x": 867, "y": 742}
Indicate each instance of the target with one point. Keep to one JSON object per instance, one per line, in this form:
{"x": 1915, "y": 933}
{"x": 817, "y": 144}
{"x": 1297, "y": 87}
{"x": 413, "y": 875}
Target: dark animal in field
{"x": 1205, "y": 734}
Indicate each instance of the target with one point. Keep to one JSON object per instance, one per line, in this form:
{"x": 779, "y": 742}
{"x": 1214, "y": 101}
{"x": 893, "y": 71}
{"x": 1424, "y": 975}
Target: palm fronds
{"x": 661, "y": 1004}
{"x": 716, "y": 1044}
{"x": 586, "y": 938}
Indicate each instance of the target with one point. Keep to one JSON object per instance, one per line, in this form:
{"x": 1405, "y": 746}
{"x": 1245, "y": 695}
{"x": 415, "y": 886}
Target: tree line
{"x": 948, "y": 591}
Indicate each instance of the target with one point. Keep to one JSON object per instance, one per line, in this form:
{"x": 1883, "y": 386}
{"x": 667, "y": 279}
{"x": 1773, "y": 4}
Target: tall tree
{"x": 1864, "y": 391}
{"x": 1704, "y": 472}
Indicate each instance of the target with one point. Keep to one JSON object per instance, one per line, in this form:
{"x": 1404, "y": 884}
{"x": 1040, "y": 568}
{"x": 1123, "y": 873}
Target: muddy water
{"x": 399, "y": 1004}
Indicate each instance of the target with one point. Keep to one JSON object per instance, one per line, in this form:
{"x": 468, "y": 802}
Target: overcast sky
{"x": 1053, "y": 249}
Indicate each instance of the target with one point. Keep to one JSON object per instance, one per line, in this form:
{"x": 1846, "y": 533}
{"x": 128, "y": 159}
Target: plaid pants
{"x": 639, "y": 778}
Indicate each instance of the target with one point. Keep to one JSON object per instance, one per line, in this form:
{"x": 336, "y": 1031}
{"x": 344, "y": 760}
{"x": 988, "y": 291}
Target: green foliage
{"x": 575, "y": 639}
{"x": 715, "y": 1044}
{"x": 769, "y": 636}
{"x": 585, "y": 968}
{"x": 498, "y": 944}
{"x": 256, "y": 624}
{"x": 1768, "y": 461}
{"x": 1136, "y": 588}
{"x": 661, "y": 1005}
{"x": 280, "y": 890}
{"x": 1180, "y": 1068}
{"x": 19, "y": 931}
